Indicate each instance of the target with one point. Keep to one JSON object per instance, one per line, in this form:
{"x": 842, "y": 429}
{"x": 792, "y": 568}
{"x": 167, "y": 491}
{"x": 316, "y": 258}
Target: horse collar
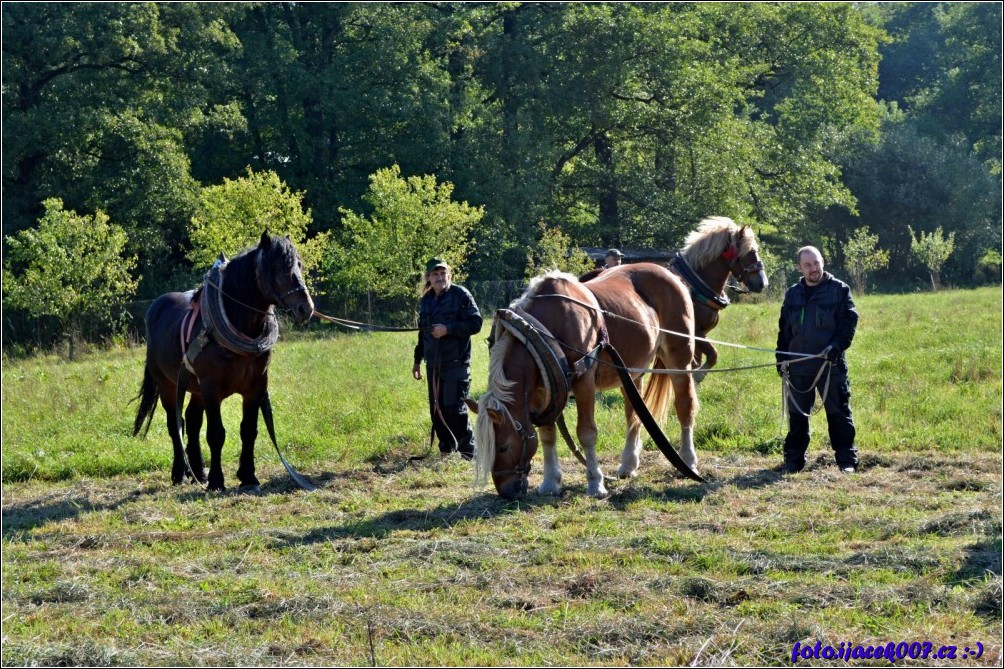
{"x": 699, "y": 290}
{"x": 214, "y": 316}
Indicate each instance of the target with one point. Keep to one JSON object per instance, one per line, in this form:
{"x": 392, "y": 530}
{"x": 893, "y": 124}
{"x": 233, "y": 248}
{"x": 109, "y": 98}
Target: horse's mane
{"x": 705, "y": 244}
{"x": 499, "y": 392}
{"x": 241, "y": 278}
{"x": 523, "y": 302}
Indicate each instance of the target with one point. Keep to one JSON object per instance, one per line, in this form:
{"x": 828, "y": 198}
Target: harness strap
{"x": 550, "y": 359}
{"x": 184, "y": 378}
{"x": 699, "y": 290}
{"x": 651, "y": 425}
{"x": 266, "y": 413}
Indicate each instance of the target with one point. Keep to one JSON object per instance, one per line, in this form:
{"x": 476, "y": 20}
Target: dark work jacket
{"x": 455, "y": 309}
{"x": 812, "y": 319}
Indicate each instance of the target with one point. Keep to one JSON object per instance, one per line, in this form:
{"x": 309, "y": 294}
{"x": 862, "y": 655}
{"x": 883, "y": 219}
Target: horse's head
{"x": 506, "y": 443}
{"x": 515, "y": 444}
{"x": 279, "y": 273}
{"x": 744, "y": 261}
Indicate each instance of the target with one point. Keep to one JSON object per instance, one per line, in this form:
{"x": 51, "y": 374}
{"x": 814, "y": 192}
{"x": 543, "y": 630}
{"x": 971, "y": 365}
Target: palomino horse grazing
{"x": 224, "y": 334}
{"x": 633, "y": 305}
{"x": 716, "y": 249}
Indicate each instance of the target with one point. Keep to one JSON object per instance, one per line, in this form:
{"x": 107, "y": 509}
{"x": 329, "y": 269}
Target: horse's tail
{"x": 148, "y": 396}
{"x": 659, "y": 393}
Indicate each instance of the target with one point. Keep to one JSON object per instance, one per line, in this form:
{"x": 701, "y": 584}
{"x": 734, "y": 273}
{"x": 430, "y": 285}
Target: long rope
{"x": 362, "y": 327}
{"x": 795, "y": 357}
{"x": 672, "y": 332}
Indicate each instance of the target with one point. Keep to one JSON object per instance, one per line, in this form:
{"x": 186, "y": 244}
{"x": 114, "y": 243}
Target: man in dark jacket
{"x": 447, "y": 318}
{"x": 817, "y": 318}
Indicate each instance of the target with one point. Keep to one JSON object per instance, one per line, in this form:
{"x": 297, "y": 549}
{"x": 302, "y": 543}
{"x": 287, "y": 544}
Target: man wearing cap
{"x": 612, "y": 258}
{"x": 447, "y": 319}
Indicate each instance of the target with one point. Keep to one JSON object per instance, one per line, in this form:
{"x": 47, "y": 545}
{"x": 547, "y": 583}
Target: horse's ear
{"x": 266, "y": 240}
{"x": 496, "y": 416}
{"x": 471, "y": 405}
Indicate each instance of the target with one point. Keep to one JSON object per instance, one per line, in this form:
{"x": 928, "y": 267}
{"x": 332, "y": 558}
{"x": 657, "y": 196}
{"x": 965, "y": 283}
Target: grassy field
{"x": 397, "y": 562}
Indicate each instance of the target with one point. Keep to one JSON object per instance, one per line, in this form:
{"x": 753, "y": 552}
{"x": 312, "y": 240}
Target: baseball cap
{"x": 435, "y": 263}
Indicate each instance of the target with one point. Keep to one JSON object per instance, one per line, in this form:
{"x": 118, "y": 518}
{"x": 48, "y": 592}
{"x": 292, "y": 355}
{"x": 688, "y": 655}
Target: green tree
{"x": 233, "y": 215}
{"x": 412, "y": 219}
{"x": 933, "y": 250}
{"x": 101, "y": 105}
{"x": 906, "y": 178}
{"x": 555, "y": 250}
{"x": 861, "y": 256}
{"x": 73, "y": 268}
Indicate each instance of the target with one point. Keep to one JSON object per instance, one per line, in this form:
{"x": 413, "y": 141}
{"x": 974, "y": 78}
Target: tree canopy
{"x": 613, "y": 124}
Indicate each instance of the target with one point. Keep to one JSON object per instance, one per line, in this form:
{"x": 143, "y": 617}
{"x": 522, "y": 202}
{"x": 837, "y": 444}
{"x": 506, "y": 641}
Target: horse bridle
{"x": 267, "y": 290}
{"x": 522, "y": 470}
{"x": 736, "y": 266}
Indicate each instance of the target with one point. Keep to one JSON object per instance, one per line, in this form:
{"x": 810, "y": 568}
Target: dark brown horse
{"x": 717, "y": 249}
{"x": 228, "y": 328}
{"x": 637, "y": 306}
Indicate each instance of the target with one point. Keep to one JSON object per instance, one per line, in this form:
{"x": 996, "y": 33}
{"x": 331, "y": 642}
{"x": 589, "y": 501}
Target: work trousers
{"x": 448, "y": 387}
{"x": 838, "y": 418}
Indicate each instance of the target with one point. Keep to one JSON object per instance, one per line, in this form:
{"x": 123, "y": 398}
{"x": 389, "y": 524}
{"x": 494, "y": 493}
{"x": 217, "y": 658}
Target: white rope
{"x": 795, "y": 357}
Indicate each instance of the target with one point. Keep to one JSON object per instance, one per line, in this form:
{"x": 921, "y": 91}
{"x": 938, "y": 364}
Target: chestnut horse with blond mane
{"x": 717, "y": 249}
{"x": 645, "y": 312}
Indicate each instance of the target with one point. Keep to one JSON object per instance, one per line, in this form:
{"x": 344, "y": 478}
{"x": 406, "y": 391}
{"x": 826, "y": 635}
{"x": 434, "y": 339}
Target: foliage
{"x": 412, "y": 220}
{"x": 621, "y": 123}
{"x": 933, "y": 250}
{"x": 70, "y": 267}
{"x": 909, "y": 179}
{"x": 555, "y": 250}
{"x": 233, "y": 215}
{"x": 989, "y": 266}
{"x": 862, "y": 256}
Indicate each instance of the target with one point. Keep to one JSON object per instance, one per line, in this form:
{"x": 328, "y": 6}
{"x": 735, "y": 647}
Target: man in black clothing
{"x": 447, "y": 318}
{"x": 818, "y": 317}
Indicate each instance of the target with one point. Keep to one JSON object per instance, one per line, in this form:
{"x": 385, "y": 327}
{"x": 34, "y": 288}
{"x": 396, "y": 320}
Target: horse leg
{"x": 585, "y": 402}
{"x": 551, "y": 485}
{"x": 216, "y": 434}
{"x": 703, "y": 349}
{"x": 193, "y": 425}
{"x": 178, "y": 470}
{"x": 249, "y": 433}
{"x": 631, "y": 455}
{"x": 685, "y": 402}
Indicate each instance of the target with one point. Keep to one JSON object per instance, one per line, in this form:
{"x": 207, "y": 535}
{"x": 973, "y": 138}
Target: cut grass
{"x": 401, "y": 562}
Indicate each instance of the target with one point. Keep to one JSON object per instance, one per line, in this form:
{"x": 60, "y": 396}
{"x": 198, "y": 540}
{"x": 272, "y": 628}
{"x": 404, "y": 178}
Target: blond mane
{"x": 523, "y": 302}
{"x": 498, "y": 394}
{"x": 705, "y": 244}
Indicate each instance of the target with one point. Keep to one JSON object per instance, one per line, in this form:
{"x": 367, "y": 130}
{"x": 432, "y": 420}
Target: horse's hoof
{"x": 251, "y": 488}
{"x": 623, "y": 473}
{"x": 553, "y": 490}
{"x": 599, "y": 493}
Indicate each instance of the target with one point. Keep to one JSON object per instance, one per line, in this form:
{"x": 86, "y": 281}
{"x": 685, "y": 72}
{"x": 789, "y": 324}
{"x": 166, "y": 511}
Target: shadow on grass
{"x": 444, "y": 516}
{"x": 35, "y": 513}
